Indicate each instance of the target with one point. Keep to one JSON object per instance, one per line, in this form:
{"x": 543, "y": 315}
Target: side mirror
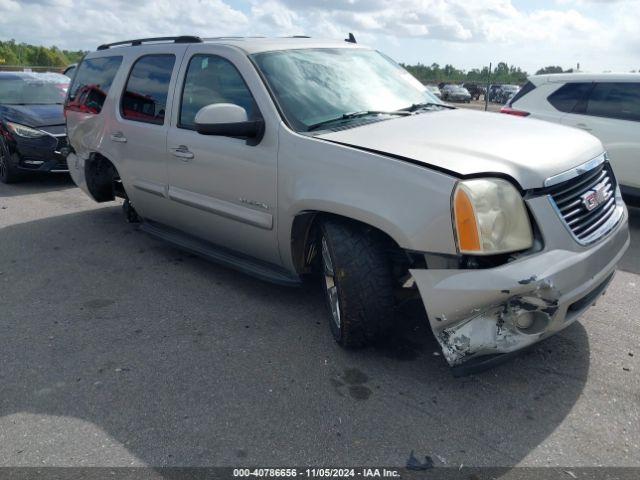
{"x": 229, "y": 120}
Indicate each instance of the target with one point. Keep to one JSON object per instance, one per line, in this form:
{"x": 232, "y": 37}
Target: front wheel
{"x": 7, "y": 171}
{"x": 357, "y": 281}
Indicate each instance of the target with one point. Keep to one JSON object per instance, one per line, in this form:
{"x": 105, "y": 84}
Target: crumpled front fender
{"x": 507, "y": 308}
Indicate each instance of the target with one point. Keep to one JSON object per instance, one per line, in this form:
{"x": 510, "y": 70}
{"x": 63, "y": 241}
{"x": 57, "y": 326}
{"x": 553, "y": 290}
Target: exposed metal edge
{"x": 576, "y": 171}
{"x": 223, "y": 256}
{"x": 149, "y": 187}
{"x": 223, "y": 208}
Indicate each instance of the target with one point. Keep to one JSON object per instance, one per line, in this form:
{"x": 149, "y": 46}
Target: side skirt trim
{"x": 243, "y": 263}
{"x": 223, "y": 208}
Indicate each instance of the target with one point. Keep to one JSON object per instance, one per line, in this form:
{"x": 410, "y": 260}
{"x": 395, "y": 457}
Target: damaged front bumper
{"x": 489, "y": 312}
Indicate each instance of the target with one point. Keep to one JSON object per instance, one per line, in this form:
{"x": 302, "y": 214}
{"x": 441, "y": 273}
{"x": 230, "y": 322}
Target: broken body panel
{"x": 507, "y": 308}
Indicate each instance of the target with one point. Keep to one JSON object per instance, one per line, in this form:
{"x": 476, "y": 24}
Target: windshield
{"x": 316, "y": 85}
{"x": 32, "y": 90}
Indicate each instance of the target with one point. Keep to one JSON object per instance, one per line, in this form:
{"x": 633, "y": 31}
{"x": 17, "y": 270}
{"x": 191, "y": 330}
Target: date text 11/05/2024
{"x": 316, "y": 472}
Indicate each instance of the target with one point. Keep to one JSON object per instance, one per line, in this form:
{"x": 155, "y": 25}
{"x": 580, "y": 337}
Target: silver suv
{"x": 293, "y": 156}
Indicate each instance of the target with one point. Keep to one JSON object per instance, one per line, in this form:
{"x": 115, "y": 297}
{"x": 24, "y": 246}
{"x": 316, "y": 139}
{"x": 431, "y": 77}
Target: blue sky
{"x": 602, "y": 35}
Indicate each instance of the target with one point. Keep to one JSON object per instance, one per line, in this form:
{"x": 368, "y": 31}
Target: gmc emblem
{"x": 595, "y": 197}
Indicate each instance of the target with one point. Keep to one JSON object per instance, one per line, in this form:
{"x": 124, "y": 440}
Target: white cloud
{"x": 87, "y": 23}
{"x": 469, "y": 33}
{"x": 275, "y": 15}
{"x": 7, "y": 6}
{"x": 599, "y": 33}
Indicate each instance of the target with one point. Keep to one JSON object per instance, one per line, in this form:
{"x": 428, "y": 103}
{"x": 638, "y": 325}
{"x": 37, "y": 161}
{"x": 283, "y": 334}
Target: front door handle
{"x": 118, "y": 137}
{"x": 583, "y": 126}
{"x": 182, "y": 152}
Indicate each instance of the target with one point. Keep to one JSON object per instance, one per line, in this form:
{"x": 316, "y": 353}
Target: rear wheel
{"x": 8, "y": 173}
{"x": 357, "y": 281}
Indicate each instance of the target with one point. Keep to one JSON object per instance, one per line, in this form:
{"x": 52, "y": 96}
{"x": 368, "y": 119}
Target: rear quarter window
{"x": 567, "y": 97}
{"x": 528, "y": 87}
{"x": 92, "y": 83}
{"x": 615, "y": 100}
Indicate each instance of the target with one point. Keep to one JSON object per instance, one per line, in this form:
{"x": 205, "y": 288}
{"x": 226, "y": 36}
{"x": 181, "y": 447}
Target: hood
{"x": 466, "y": 142}
{"x": 33, "y": 115}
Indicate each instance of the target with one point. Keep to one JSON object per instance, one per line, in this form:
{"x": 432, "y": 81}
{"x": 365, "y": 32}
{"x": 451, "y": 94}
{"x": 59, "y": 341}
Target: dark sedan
{"x": 455, "y": 93}
{"x": 32, "y": 124}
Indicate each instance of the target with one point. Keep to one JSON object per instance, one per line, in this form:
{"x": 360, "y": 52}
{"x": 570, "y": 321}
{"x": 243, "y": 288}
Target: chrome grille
{"x": 587, "y": 203}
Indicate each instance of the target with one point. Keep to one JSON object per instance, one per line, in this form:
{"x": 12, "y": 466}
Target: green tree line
{"x": 434, "y": 73}
{"x": 23, "y": 54}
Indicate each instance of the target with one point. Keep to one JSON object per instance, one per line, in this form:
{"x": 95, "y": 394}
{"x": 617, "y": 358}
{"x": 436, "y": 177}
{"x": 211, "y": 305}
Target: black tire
{"x": 362, "y": 279}
{"x": 8, "y": 173}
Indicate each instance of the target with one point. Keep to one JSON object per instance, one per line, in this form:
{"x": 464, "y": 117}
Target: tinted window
{"x": 528, "y": 87}
{"x": 567, "y": 97}
{"x": 615, "y": 100}
{"x": 145, "y": 95}
{"x": 92, "y": 83}
{"x": 212, "y": 79}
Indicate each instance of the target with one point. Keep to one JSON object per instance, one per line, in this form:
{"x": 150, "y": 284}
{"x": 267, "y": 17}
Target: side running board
{"x": 256, "y": 268}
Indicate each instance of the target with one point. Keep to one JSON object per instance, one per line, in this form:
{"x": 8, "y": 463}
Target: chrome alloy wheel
{"x": 330, "y": 283}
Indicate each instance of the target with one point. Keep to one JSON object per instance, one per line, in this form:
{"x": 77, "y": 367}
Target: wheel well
{"x": 103, "y": 179}
{"x": 304, "y": 235}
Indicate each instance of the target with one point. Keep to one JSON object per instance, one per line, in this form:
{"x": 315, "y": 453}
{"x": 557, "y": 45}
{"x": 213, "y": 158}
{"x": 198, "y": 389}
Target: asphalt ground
{"x": 117, "y": 349}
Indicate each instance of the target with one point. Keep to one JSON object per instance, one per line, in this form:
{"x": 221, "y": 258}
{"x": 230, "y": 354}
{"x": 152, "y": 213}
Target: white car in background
{"x": 606, "y": 105}
{"x": 434, "y": 90}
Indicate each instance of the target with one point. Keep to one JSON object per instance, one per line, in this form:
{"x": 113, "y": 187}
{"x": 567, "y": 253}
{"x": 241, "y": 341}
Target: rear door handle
{"x": 118, "y": 137}
{"x": 182, "y": 152}
{"x": 583, "y": 126}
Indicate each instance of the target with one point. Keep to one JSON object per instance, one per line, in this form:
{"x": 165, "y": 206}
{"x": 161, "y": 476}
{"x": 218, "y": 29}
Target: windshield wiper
{"x": 351, "y": 115}
{"x": 419, "y": 106}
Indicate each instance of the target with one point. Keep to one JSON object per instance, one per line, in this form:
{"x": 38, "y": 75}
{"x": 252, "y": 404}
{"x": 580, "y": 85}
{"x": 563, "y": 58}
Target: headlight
{"x": 23, "y": 131}
{"x": 490, "y": 217}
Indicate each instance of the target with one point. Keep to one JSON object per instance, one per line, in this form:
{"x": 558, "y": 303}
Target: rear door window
{"x": 91, "y": 84}
{"x": 145, "y": 95}
{"x": 212, "y": 79}
{"x": 567, "y": 97}
{"x": 615, "y": 100}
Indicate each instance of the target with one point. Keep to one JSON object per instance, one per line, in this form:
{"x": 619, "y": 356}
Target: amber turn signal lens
{"x": 466, "y": 225}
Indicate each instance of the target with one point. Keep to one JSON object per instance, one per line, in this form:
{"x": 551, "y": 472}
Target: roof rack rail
{"x": 140, "y": 41}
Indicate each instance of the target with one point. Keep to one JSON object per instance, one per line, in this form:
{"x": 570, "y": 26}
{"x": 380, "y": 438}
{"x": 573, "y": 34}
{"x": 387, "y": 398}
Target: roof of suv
{"x": 260, "y": 44}
{"x": 249, "y": 45}
{"x": 585, "y": 77}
